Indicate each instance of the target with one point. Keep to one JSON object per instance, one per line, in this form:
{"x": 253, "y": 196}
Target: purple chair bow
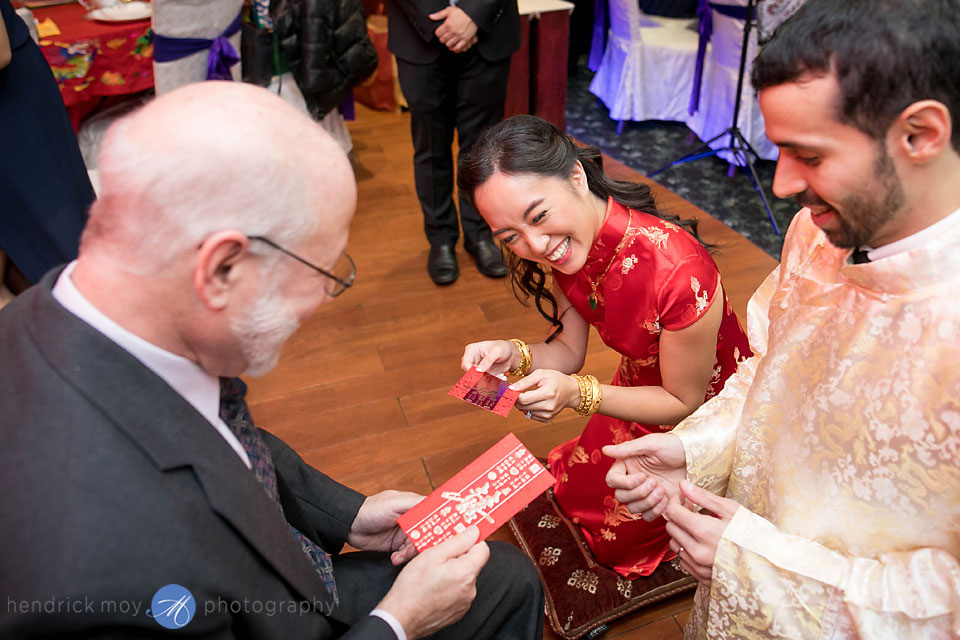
{"x": 222, "y": 55}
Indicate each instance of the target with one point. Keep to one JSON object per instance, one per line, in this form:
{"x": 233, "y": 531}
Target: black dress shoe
{"x": 489, "y": 259}
{"x": 442, "y": 264}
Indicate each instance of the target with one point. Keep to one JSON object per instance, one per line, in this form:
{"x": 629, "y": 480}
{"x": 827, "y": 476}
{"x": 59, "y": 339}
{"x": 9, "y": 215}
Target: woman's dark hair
{"x": 527, "y": 145}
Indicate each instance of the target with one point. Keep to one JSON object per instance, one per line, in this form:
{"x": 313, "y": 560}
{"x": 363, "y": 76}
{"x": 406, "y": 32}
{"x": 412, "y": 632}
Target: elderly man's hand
{"x": 438, "y": 586}
{"x": 646, "y": 471}
{"x": 375, "y": 527}
{"x": 694, "y": 536}
{"x": 458, "y": 31}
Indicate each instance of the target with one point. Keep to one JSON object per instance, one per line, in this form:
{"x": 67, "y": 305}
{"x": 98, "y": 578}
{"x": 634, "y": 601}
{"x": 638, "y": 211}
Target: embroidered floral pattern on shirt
{"x": 701, "y": 303}
{"x": 548, "y": 521}
{"x": 651, "y": 322}
{"x": 608, "y": 535}
{"x": 655, "y": 235}
{"x": 628, "y": 263}
{"x": 615, "y": 512}
{"x": 578, "y": 456}
{"x": 625, "y": 587}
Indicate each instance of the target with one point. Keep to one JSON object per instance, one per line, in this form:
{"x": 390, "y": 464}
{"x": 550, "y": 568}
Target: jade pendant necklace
{"x": 593, "y": 299}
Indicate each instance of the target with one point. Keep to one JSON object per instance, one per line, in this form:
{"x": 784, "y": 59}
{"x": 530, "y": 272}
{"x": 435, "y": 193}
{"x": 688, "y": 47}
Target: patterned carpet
{"x": 647, "y": 146}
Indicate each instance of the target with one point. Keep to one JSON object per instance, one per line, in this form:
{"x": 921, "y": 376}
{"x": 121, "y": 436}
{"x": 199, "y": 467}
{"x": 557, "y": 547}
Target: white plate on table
{"x": 123, "y": 12}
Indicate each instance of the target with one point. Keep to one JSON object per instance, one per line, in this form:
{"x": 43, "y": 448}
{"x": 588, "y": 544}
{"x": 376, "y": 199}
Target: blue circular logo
{"x": 172, "y": 606}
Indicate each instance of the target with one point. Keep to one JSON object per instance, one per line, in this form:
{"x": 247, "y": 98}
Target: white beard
{"x": 262, "y": 331}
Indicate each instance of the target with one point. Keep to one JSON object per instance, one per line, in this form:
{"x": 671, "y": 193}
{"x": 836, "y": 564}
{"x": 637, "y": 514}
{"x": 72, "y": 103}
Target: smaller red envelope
{"x": 486, "y": 493}
{"x": 485, "y": 391}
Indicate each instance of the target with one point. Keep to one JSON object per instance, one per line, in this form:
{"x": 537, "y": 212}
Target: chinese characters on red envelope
{"x": 487, "y": 492}
{"x": 485, "y": 391}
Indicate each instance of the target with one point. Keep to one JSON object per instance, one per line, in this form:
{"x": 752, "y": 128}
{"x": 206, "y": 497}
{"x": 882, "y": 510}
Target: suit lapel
{"x": 169, "y": 431}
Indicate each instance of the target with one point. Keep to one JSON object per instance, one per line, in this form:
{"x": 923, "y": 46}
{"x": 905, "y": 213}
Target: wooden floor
{"x": 361, "y": 390}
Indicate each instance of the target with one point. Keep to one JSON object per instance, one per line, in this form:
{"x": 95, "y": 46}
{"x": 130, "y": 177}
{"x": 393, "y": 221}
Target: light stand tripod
{"x": 738, "y": 146}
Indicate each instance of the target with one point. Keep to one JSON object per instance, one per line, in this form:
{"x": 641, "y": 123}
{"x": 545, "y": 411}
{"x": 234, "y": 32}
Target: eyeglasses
{"x": 345, "y": 269}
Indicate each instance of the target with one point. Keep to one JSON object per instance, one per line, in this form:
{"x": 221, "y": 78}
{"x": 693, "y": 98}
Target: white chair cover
{"x": 718, "y": 92}
{"x": 646, "y": 71}
{"x": 192, "y": 19}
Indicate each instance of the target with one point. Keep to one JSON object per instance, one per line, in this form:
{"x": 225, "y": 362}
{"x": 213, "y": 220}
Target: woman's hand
{"x": 493, "y": 356}
{"x": 546, "y": 392}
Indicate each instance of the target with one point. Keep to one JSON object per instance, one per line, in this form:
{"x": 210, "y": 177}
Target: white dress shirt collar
{"x": 187, "y": 378}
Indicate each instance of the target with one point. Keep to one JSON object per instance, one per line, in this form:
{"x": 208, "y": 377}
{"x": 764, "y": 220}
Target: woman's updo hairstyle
{"x": 528, "y": 145}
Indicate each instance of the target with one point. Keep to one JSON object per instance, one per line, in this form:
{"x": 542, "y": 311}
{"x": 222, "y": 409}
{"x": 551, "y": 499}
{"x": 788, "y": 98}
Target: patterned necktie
{"x": 233, "y": 411}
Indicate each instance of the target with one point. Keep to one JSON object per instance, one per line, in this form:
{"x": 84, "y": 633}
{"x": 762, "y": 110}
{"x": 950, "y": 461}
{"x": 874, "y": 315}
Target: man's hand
{"x": 438, "y": 586}
{"x": 375, "y": 527}
{"x": 646, "y": 472}
{"x": 458, "y": 31}
{"x": 694, "y": 536}
{"x": 546, "y": 392}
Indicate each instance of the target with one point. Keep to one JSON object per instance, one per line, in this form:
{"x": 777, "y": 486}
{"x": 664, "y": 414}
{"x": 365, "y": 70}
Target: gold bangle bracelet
{"x": 526, "y": 359}
{"x": 596, "y": 396}
{"x": 583, "y": 393}
{"x": 590, "y": 395}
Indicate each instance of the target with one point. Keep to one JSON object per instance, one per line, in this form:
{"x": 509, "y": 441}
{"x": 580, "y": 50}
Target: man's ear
{"x": 922, "y": 130}
{"x": 215, "y": 274}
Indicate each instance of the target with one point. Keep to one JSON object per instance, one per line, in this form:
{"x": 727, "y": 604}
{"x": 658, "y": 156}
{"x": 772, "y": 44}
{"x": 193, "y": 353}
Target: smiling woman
{"x": 595, "y": 251}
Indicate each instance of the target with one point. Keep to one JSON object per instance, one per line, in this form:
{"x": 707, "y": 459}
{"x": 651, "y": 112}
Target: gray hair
{"x": 160, "y": 201}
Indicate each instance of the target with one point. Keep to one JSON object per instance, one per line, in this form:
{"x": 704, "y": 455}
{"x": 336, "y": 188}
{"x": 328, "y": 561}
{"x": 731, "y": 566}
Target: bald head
{"x": 212, "y": 156}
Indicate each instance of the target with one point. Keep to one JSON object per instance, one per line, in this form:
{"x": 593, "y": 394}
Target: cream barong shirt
{"x": 840, "y": 438}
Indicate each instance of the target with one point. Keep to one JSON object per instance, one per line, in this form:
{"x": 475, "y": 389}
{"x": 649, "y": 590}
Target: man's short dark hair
{"x": 886, "y": 55}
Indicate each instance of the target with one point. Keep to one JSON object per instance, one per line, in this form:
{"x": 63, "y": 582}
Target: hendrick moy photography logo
{"x": 172, "y": 606}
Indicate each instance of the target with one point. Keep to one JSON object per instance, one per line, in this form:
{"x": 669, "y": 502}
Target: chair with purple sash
{"x": 647, "y": 65}
{"x": 714, "y": 89}
{"x": 195, "y": 40}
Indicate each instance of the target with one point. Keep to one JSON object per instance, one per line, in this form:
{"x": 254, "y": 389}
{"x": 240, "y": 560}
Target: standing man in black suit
{"x": 137, "y": 494}
{"x": 453, "y": 60}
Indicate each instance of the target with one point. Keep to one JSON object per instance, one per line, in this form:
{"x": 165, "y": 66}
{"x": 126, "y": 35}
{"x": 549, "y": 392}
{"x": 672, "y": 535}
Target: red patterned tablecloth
{"x": 92, "y": 59}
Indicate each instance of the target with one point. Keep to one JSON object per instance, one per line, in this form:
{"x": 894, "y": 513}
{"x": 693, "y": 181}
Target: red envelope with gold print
{"x": 485, "y": 391}
{"x": 486, "y": 493}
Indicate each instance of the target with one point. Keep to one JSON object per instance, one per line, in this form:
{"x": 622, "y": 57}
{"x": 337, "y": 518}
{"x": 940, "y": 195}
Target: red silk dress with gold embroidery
{"x": 662, "y": 278}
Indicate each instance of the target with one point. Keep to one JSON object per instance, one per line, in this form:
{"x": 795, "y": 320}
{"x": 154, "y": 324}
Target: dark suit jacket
{"x": 411, "y": 33}
{"x": 114, "y": 486}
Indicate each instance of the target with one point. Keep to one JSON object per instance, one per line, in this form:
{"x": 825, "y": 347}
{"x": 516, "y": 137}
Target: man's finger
{"x": 698, "y": 572}
{"x": 457, "y": 545}
{"x": 709, "y": 501}
{"x": 627, "y": 449}
{"x": 685, "y": 522}
{"x": 476, "y": 557}
{"x": 440, "y": 15}
{"x": 405, "y": 553}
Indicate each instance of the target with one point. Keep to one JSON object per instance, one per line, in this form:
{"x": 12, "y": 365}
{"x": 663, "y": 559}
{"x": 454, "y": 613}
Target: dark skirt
{"x": 45, "y": 191}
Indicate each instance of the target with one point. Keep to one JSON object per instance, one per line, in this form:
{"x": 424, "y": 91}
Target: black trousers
{"x": 458, "y": 91}
{"x": 508, "y": 606}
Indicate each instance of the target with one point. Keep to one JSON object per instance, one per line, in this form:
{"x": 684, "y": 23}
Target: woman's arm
{"x": 565, "y": 353}
{"x": 687, "y": 358}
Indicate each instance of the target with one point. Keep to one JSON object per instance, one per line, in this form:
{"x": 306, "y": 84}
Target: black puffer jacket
{"x": 327, "y": 48}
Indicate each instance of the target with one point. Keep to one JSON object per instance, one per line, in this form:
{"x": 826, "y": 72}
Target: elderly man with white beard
{"x": 137, "y": 491}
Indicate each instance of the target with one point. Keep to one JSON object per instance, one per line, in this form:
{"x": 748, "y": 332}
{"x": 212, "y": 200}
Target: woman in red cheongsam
{"x": 641, "y": 277}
